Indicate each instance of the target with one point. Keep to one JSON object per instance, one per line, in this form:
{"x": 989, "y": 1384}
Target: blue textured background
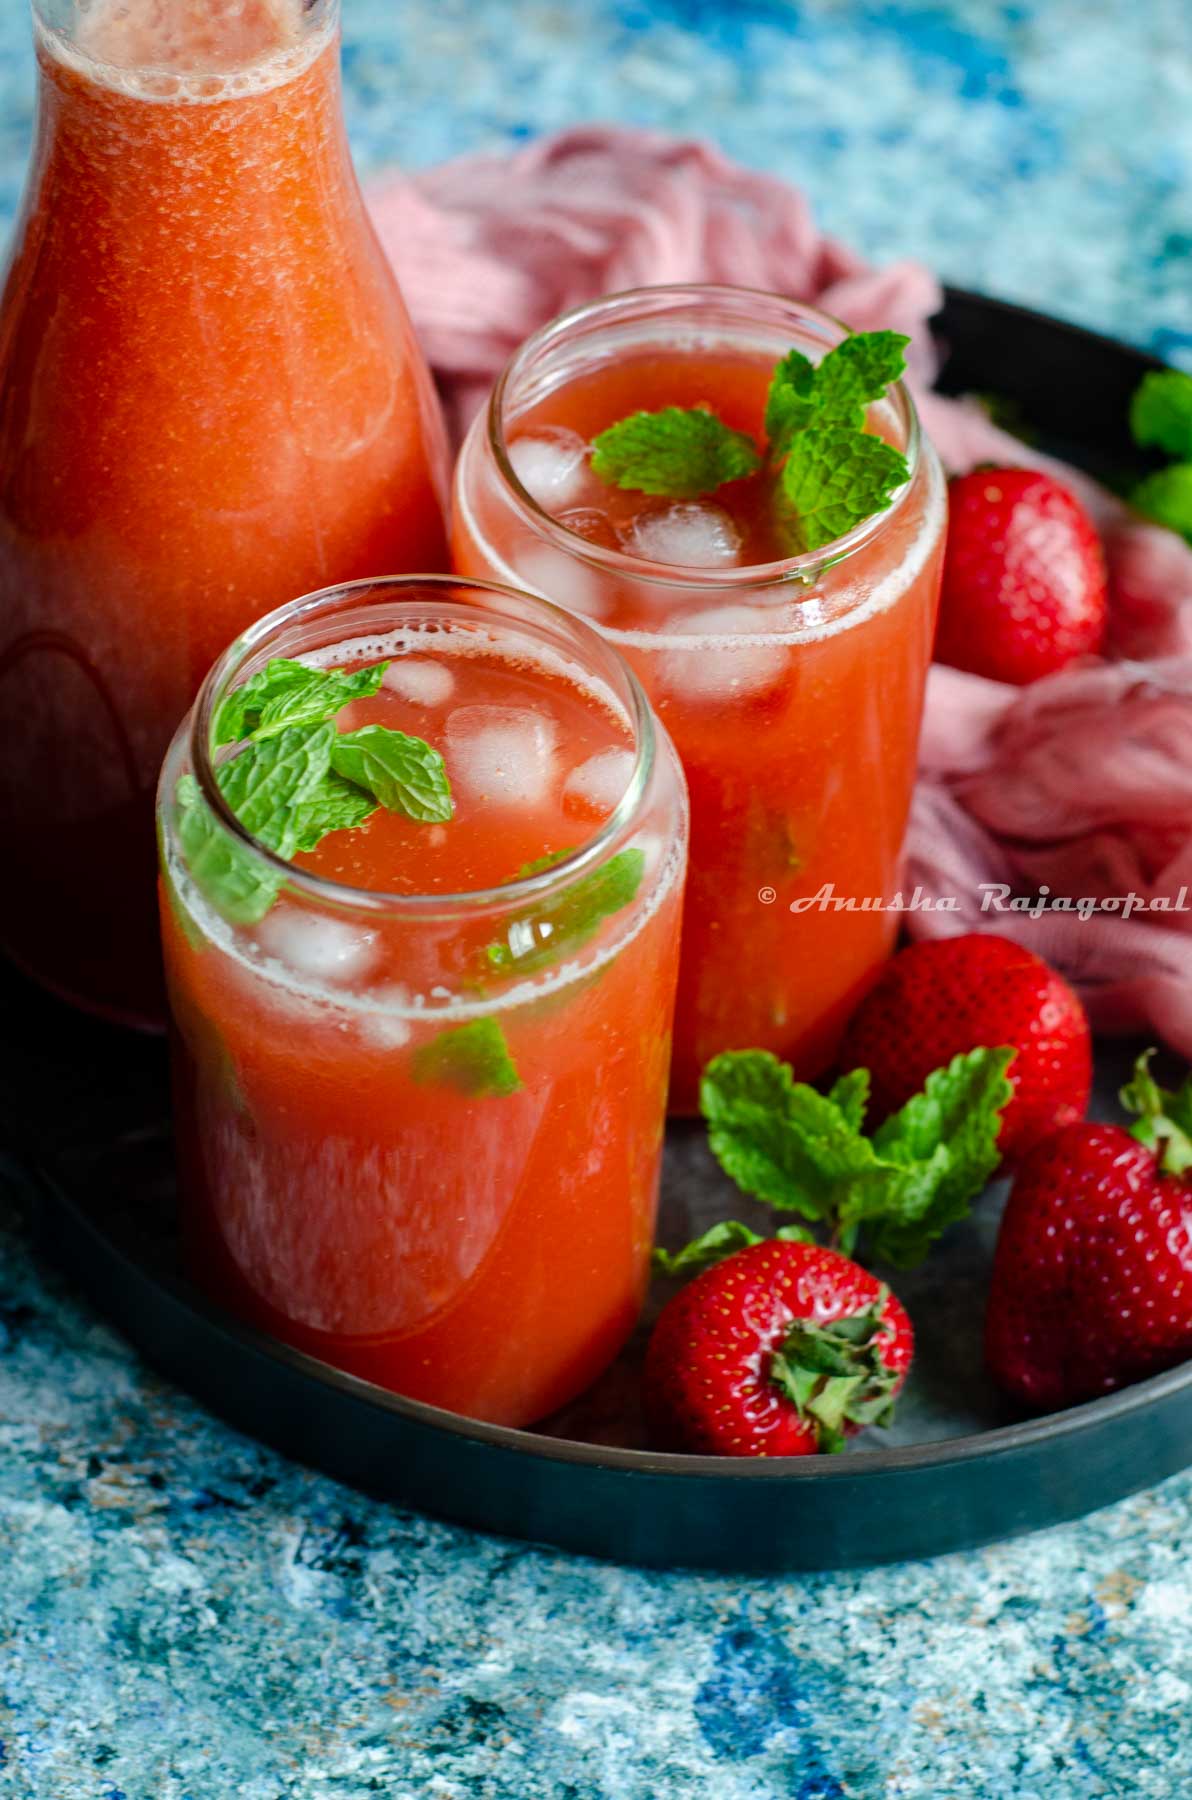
{"x": 185, "y": 1617}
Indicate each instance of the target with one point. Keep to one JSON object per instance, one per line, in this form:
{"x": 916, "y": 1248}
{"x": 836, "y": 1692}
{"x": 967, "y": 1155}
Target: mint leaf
{"x": 473, "y": 1058}
{"x": 1161, "y": 412}
{"x": 1165, "y": 1125}
{"x": 680, "y": 452}
{"x": 851, "y": 1094}
{"x": 945, "y": 1138}
{"x": 856, "y": 373}
{"x": 703, "y": 1252}
{"x": 718, "y": 1242}
{"x": 240, "y": 711}
{"x": 802, "y": 1151}
{"x": 269, "y": 781}
{"x": 236, "y": 883}
{"x": 833, "y": 479}
{"x": 1166, "y": 497}
{"x": 286, "y": 693}
{"x": 324, "y": 693}
{"x": 335, "y": 805}
{"x": 541, "y": 864}
{"x": 789, "y": 403}
{"x": 779, "y": 1139}
{"x": 405, "y": 773}
{"x": 569, "y": 920}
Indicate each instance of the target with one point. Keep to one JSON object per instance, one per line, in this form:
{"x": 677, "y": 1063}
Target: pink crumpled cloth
{"x": 1080, "y": 785}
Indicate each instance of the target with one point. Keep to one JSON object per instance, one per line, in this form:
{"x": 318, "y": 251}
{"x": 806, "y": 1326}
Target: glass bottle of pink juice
{"x": 210, "y": 400}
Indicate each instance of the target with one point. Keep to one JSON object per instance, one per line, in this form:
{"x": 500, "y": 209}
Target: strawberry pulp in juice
{"x": 210, "y": 400}
{"x": 794, "y": 704}
{"x": 474, "y": 1237}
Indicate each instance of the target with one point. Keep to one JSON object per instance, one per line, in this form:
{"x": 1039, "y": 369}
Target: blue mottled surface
{"x": 186, "y": 1617}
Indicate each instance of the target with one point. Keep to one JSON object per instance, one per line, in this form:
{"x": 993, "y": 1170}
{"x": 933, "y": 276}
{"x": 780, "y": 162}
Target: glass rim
{"x": 803, "y": 569}
{"x": 565, "y": 626}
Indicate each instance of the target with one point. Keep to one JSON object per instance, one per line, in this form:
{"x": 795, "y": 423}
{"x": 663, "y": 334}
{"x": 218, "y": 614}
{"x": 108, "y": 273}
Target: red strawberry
{"x": 1092, "y": 1277}
{"x": 1024, "y": 577}
{"x": 936, "y": 999}
{"x": 782, "y": 1349}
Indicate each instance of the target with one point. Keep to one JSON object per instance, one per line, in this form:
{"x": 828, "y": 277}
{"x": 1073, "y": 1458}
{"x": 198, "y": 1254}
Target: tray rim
{"x": 933, "y": 1453}
{"x": 85, "y": 1249}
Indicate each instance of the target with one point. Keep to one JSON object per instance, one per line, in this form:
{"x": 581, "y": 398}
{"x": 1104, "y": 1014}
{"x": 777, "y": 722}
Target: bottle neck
{"x": 184, "y": 40}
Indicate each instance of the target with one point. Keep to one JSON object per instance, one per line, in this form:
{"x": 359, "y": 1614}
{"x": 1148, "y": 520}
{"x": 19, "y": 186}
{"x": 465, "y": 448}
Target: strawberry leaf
{"x": 835, "y": 1374}
{"x": 1166, "y": 1122}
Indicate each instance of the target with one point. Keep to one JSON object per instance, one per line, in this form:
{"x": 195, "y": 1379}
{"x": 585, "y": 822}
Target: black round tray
{"x": 88, "y": 1106}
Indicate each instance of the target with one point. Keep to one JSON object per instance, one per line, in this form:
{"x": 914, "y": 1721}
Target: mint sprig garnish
{"x": 1161, "y": 419}
{"x": 681, "y": 451}
{"x": 568, "y": 921}
{"x": 833, "y": 479}
{"x": 286, "y": 693}
{"x": 473, "y": 1058}
{"x": 804, "y": 1152}
{"x": 297, "y": 778}
{"x": 404, "y": 773}
{"x": 830, "y": 474}
{"x": 238, "y": 884}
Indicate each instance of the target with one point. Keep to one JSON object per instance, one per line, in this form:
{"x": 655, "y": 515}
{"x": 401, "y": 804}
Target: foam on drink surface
{"x": 192, "y": 50}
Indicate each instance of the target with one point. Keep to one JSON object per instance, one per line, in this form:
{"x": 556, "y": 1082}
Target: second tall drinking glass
{"x": 793, "y": 689}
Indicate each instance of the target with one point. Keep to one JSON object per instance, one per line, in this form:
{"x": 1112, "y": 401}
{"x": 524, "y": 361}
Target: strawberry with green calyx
{"x": 1092, "y": 1276}
{"x": 778, "y": 1349}
{"x": 806, "y": 1153}
{"x": 935, "y": 999}
{"x": 829, "y": 474}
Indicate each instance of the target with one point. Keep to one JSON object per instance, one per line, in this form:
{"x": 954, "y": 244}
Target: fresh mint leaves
{"x": 718, "y": 1242}
{"x": 1161, "y": 419}
{"x": 855, "y": 374}
{"x": 237, "y": 883}
{"x": 567, "y": 922}
{"x": 833, "y": 479}
{"x": 831, "y": 474}
{"x": 404, "y": 773}
{"x": 681, "y": 452}
{"x": 804, "y": 1152}
{"x": 1161, "y": 412}
{"x": 1166, "y": 497}
{"x": 473, "y": 1058}
{"x": 297, "y": 778}
{"x": 286, "y": 693}
{"x": 267, "y": 784}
